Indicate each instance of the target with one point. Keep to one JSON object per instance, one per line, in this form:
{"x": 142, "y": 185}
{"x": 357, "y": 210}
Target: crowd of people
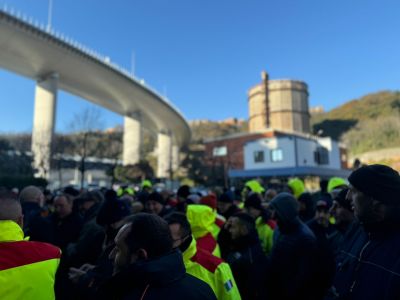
{"x": 259, "y": 242}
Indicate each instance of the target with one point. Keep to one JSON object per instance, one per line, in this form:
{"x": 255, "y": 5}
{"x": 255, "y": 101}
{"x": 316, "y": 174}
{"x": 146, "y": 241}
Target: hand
{"x": 74, "y": 274}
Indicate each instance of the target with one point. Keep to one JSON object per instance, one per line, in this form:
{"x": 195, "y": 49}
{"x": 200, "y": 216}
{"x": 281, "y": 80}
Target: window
{"x": 258, "y": 156}
{"x": 276, "y": 155}
{"x": 220, "y": 151}
{"x": 321, "y": 156}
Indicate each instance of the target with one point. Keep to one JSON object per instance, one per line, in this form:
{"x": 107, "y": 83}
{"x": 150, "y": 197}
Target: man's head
{"x": 88, "y": 199}
{"x": 63, "y": 205}
{"x": 253, "y": 205}
{"x": 342, "y": 209}
{"x": 224, "y": 202}
{"x": 145, "y": 237}
{"x": 155, "y": 203}
{"x": 322, "y": 214}
{"x": 240, "y": 225}
{"x": 32, "y": 194}
{"x": 375, "y": 193}
{"x": 284, "y": 208}
{"x": 180, "y": 229}
{"x": 10, "y": 208}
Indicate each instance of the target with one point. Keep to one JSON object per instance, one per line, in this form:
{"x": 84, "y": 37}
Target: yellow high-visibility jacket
{"x": 27, "y": 269}
{"x": 202, "y": 219}
{"x": 265, "y": 234}
{"x": 211, "y": 269}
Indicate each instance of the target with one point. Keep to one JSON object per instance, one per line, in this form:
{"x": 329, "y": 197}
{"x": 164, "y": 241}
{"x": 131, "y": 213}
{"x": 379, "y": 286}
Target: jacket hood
{"x": 286, "y": 207}
{"x": 201, "y": 219}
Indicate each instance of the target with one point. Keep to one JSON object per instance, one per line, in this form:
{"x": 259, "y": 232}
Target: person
{"x": 66, "y": 223}
{"x": 371, "y": 268}
{"x": 292, "y": 268}
{"x": 155, "y": 204}
{"x": 325, "y": 233}
{"x": 146, "y": 266}
{"x": 265, "y": 231}
{"x": 201, "y": 263}
{"x": 246, "y": 258}
{"x": 345, "y": 221}
{"x": 112, "y": 215}
{"x": 211, "y": 201}
{"x": 88, "y": 247}
{"x": 202, "y": 219}
{"x": 36, "y": 226}
{"x": 27, "y": 269}
{"x": 226, "y": 206}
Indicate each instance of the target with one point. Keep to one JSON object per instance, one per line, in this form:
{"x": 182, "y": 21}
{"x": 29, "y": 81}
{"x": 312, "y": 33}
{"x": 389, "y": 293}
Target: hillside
{"x": 366, "y": 124}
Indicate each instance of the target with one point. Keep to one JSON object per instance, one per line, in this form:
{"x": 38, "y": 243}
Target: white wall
{"x": 305, "y": 152}
{"x": 266, "y": 145}
{"x": 334, "y": 152}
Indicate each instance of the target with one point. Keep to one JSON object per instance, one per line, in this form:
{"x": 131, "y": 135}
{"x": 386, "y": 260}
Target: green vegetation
{"x": 369, "y": 123}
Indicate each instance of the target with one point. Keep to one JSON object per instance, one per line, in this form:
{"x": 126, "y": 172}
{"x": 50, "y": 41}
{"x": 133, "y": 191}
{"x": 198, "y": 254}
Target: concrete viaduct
{"x": 56, "y": 63}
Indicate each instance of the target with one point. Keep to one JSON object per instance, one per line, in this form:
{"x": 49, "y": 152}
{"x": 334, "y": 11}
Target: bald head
{"x": 31, "y": 194}
{"x": 10, "y": 208}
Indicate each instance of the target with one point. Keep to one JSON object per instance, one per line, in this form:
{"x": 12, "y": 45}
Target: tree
{"x": 85, "y": 125}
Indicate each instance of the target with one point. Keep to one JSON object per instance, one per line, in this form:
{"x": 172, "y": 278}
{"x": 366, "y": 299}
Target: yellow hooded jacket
{"x": 27, "y": 269}
{"x": 202, "y": 221}
{"x": 212, "y": 270}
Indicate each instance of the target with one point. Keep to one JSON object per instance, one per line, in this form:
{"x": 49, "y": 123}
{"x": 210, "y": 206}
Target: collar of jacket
{"x": 10, "y": 231}
{"x": 190, "y": 252}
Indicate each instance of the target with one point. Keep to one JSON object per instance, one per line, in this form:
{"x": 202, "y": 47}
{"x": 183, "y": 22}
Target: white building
{"x": 291, "y": 151}
{"x": 292, "y": 154}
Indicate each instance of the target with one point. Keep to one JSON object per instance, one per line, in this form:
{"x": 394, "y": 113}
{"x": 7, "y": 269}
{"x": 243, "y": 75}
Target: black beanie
{"x": 341, "y": 199}
{"x": 377, "y": 181}
{"x": 254, "y": 200}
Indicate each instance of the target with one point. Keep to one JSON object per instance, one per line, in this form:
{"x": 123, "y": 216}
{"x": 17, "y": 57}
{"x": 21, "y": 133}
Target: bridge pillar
{"x": 132, "y": 139}
{"x": 175, "y": 158}
{"x": 164, "y": 154}
{"x": 43, "y": 124}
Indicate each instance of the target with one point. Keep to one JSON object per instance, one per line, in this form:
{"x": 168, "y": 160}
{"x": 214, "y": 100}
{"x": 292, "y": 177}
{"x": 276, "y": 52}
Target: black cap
{"x": 377, "y": 181}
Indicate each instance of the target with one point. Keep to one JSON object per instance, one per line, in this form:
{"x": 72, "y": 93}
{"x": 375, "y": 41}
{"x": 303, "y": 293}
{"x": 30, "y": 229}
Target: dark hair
{"x": 154, "y": 196}
{"x": 181, "y": 219}
{"x": 149, "y": 232}
{"x": 246, "y": 220}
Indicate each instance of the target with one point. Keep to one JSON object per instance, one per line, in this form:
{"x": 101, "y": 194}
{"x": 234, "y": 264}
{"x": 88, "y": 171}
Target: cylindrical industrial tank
{"x": 257, "y": 108}
{"x": 288, "y": 105}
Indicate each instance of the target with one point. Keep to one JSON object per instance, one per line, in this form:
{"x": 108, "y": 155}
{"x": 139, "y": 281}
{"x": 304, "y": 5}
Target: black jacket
{"x": 66, "y": 230}
{"x": 88, "y": 247}
{"x": 38, "y": 228}
{"x": 248, "y": 262}
{"x": 370, "y": 268}
{"x": 292, "y": 271}
{"x": 160, "y": 278}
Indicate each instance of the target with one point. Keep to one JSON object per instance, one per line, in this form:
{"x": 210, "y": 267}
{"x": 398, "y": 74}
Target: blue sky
{"x": 206, "y": 54}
